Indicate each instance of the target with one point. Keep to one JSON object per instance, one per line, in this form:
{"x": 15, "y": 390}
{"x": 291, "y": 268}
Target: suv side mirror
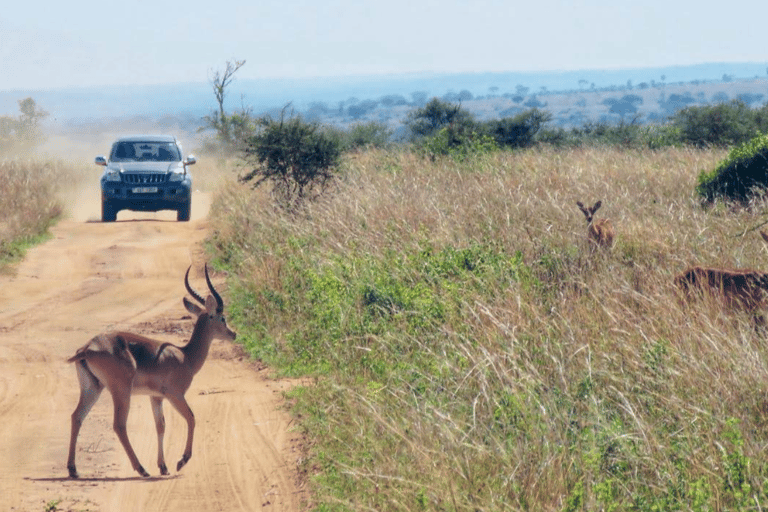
{"x": 190, "y": 160}
{"x": 100, "y": 160}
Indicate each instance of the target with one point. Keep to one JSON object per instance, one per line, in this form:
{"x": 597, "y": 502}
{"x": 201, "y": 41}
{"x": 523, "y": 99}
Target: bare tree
{"x": 220, "y": 80}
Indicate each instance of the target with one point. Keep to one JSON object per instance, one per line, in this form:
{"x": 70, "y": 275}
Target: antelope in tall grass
{"x": 743, "y": 289}
{"x": 129, "y": 364}
{"x": 599, "y": 232}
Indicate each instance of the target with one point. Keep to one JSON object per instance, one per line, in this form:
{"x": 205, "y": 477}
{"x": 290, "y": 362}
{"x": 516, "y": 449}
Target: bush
{"x": 740, "y": 175}
{"x": 435, "y": 115}
{"x": 297, "y": 157}
{"x": 365, "y": 135}
{"x": 519, "y": 131}
{"x": 458, "y": 142}
{"x": 717, "y": 125}
{"x": 625, "y": 135}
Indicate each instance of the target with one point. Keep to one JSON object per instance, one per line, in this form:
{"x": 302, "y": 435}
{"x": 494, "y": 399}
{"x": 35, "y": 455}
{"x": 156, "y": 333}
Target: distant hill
{"x": 573, "y": 97}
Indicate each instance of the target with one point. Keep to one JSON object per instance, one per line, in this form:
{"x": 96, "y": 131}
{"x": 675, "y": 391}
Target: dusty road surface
{"x": 128, "y": 275}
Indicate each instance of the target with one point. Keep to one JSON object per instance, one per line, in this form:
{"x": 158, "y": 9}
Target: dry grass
{"x": 30, "y": 201}
{"x": 539, "y": 376}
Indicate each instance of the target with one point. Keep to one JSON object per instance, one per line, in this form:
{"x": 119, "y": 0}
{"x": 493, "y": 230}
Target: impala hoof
{"x": 142, "y": 472}
{"x": 183, "y": 461}
{"x": 73, "y": 472}
{"x": 163, "y": 469}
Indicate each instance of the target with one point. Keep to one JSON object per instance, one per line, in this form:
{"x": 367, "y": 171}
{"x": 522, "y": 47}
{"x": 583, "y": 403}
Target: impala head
{"x": 214, "y": 308}
{"x": 589, "y": 213}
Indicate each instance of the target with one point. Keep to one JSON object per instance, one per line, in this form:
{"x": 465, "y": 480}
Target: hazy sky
{"x": 46, "y": 45}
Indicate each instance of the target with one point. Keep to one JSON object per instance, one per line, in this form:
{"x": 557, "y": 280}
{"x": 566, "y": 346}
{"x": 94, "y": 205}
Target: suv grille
{"x": 144, "y": 178}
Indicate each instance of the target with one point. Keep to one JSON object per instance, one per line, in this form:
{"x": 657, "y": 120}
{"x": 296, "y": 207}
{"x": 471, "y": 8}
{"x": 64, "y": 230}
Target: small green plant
{"x": 52, "y": 506}
{"x": 735, "y": 464}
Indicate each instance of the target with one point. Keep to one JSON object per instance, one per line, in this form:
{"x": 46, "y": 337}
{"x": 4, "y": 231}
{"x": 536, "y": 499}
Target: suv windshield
{"x": 145, "y": 151}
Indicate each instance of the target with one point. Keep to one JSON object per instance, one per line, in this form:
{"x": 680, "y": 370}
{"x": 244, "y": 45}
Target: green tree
{"x": 518, "y": 131}
{"x": 437, "y": 114}
{"x": 365, "y": 135}
{"x": 716, "y": 125}
{"x": 298, "y": 158}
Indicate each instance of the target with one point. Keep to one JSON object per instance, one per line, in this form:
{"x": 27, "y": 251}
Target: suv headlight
{"x": 177, "y": 175}
{"x": 112, "y": 175}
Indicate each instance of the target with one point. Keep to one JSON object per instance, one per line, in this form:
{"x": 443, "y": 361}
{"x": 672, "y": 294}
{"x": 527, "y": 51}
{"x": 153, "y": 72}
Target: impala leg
{"x": 180, "y": 404}
{"x": 121, "y": 399}
{"x": 157, "y": 410}
{"x": 90, "y": 390}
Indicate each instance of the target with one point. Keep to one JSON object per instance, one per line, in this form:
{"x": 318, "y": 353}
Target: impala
{"x": 740, "y": 288}
{"x": 129, "y": 364}
{"x": 599, "y": 232}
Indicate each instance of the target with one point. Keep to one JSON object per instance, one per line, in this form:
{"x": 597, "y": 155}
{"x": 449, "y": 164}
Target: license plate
{"x": 145, "y": 190}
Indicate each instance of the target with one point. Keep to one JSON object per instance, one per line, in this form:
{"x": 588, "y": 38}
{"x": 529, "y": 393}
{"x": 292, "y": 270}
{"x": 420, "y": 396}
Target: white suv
{"x": 146, "y": 173}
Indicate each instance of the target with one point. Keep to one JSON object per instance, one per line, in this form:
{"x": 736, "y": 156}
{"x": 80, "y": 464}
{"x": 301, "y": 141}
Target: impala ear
{"x": 211, "y": 304}
{"x": 192, "y": 307}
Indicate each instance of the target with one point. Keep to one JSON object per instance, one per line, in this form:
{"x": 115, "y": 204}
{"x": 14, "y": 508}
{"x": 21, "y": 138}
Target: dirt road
{"x": 128, "y": 275}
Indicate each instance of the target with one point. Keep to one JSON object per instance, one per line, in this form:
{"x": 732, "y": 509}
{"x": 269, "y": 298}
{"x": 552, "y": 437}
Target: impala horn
{"x": 192, "y": 292}
{"x": 219, "y": 301}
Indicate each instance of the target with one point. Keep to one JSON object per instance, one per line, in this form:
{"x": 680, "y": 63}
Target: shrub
{"x": 458, "y": 142}
{"x": 297, "y": 157}
{"x": 365, "y": 135}
{"x": 435, "y": 115}
{"x": 519, "y": 131}
{"x": 716, "y": 125}
{"x": 740, "y": 174}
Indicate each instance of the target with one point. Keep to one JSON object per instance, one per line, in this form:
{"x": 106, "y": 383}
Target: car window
{"x": 168, "y": 152}
{"x": 145, "y": 152}
{"x": 123, "y": 152}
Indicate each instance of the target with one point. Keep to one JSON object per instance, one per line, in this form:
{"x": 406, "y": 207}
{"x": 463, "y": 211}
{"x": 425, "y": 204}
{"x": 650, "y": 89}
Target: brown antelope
{"x": 743, "y": 289}
{"x": 129, "y": 364}
{"x": 599, "y": 232}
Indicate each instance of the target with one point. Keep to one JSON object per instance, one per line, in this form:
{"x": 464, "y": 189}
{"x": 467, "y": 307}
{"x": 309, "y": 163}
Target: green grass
{"x": 13, "y": 251}
{"x": 468, "y": 351}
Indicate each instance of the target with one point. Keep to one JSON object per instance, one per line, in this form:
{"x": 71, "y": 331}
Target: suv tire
{"x": 182, "y": 214}
{"x": 108, "y": 213}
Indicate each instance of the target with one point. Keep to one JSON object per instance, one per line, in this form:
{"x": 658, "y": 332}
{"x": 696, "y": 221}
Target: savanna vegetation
{"x": 465, "y": 347}
{"x": 29, "y": 203}
{"x": 22, "y": 133}
{"x": 468, "y": 350}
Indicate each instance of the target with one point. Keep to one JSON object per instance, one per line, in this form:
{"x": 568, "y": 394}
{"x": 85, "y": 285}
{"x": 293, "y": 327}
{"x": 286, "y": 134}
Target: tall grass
{"x": 470, "y": 352}
{"x": 29, "y": 203}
